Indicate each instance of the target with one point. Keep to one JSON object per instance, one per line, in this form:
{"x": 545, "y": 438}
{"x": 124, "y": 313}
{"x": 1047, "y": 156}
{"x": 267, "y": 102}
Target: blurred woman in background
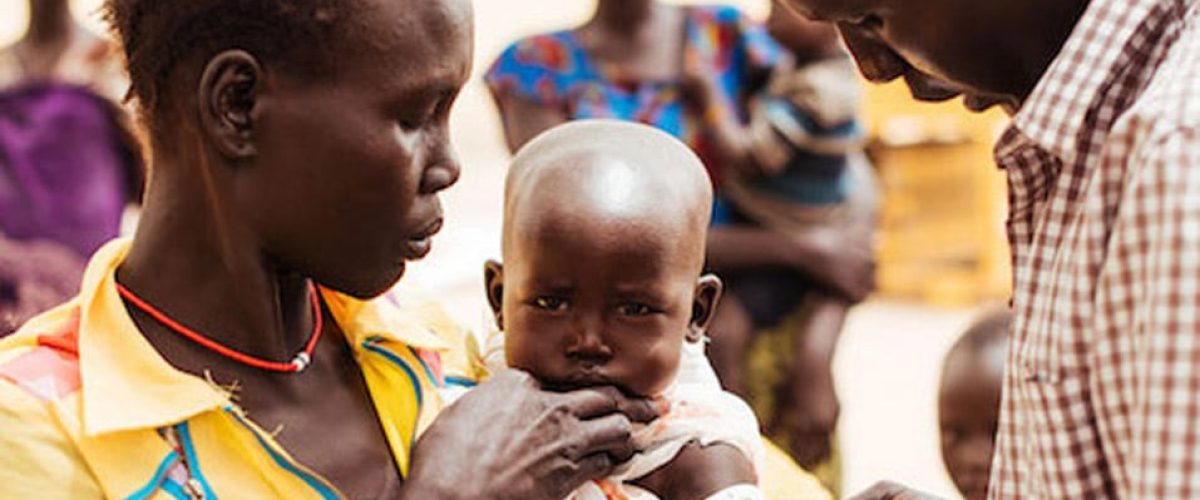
{"x": 69, "y": 165}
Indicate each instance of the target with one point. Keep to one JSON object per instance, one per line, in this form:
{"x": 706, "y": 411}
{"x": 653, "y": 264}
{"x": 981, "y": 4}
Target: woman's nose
{"x": 445, "y": 168}
{"x": 440, "y": 176}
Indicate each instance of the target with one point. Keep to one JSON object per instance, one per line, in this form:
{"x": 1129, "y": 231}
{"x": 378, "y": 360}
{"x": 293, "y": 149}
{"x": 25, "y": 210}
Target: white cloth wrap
{"x": 700, "y": 411}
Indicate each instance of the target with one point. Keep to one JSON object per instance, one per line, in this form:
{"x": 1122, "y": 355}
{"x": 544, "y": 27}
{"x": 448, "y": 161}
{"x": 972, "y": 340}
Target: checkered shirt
{"x": 1102, "y": 395}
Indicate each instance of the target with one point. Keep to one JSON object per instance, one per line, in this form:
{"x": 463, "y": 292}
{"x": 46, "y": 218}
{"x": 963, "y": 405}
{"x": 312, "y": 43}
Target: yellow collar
{"x": 126, "y": 384}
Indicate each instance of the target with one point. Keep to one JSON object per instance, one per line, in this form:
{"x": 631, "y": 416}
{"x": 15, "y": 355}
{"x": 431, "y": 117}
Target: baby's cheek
{"x": 654, "y": 371}
{"x": 522, "y": 353}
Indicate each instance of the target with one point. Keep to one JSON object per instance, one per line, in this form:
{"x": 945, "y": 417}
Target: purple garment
{"x": 67, "y": 167}
{"x": 34, "y": 276}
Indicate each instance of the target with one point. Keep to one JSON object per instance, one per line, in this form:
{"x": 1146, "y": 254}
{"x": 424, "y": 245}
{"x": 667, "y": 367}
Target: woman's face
{"x": 349, "y": 166}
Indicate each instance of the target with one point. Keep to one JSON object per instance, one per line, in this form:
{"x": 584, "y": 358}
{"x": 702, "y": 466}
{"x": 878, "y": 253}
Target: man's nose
{"x": 878, "y": 62}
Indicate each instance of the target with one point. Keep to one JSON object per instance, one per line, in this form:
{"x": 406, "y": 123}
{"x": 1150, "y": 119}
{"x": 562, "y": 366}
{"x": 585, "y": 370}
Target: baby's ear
{"x": 708, "y": 294}
{"x": 493, "y": 282}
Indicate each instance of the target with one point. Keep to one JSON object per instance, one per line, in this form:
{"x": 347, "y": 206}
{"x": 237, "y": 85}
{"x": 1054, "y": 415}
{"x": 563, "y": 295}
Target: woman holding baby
{"x": 232, "y": 346}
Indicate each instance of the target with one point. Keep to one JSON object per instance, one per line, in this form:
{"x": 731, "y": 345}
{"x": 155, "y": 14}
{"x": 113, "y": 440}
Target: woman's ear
{"x": 228, "y": 97}
{"x": 708, "y": 293}
{"x": 493, "y": 282}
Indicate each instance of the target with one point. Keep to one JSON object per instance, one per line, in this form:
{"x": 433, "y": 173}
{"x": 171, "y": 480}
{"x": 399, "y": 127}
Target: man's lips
{"x": 420, "y": 244}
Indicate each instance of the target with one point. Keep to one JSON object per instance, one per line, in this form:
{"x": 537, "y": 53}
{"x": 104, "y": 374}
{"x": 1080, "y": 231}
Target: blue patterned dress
{"x": 554, "y": 69}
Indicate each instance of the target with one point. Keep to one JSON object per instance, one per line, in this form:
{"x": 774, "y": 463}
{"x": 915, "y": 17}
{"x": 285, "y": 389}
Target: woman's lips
{"x": 419, "y": 246}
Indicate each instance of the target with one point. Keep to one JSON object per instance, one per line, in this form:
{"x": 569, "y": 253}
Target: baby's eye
{"x": 553, "y": 304}
{"x": 635, "y": 309}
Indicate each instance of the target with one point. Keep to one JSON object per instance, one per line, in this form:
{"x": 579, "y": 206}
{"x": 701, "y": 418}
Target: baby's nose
{"x": 588, "y": 346}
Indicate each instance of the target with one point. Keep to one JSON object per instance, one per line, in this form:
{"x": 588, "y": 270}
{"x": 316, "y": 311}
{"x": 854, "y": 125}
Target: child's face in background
{"x": 968, "y": 411}
{"x": 588, "y": 302}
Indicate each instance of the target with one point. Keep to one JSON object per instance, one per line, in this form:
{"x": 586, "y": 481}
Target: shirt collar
{"x": 126, "y": 384}
{"x": 1055, "y": 113}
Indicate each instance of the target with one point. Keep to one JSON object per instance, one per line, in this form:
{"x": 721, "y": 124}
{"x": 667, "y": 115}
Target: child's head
{"x": 807, "y": 40}
{"x": 604, "y": 235}
{"x": 969, "y": 401}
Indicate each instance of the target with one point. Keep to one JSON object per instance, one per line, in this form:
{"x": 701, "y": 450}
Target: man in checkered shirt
{"x": 1102, "y": 397}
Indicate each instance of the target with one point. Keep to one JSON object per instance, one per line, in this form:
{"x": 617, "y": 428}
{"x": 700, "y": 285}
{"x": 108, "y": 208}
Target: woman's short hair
{"x": 157, "y": 35}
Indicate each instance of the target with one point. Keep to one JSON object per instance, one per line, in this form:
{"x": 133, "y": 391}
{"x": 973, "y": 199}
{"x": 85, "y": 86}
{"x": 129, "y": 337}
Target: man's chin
{"x": 981, "y": 103}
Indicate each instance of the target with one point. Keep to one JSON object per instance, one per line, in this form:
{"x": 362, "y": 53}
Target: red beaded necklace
{"x": 298, "y": 363}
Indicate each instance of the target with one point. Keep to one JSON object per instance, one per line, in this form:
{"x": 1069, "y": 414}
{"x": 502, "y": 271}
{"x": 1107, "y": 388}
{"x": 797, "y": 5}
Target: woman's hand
{"x": 509, "y": 438}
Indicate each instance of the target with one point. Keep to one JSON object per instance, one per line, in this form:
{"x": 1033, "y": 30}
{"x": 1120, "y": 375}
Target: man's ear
{"x": 708, "y": 293}
{"x": 228, "y": 98}
{"x": 493, "y": 282}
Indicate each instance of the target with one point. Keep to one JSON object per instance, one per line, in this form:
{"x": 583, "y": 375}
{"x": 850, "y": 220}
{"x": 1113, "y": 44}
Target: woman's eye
{"x": 550, "y": 303}
{"x": 432, "y": 109}
{"x": 635, "y": 309}
{"x": 415, "y": 123}
{"x": 414, "y": 119}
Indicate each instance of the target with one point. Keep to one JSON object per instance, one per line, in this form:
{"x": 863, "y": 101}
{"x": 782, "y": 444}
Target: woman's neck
{"x": 50, "y": 22}
{"x": 624, "y": 15}
{"x": 193, "y": 259}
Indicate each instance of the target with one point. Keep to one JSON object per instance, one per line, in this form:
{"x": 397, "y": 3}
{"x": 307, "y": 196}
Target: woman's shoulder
{"x": 555, "y": 51}
{"x": 540, "y": 68}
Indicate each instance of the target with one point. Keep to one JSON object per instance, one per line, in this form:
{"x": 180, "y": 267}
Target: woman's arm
{"x": 839, "y": 257}
{"x": 729, "y": 140}
{"x": 524, "y": 119}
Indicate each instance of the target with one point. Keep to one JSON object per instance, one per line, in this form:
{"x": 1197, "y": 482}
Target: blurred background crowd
{"x": 860, "y": 233}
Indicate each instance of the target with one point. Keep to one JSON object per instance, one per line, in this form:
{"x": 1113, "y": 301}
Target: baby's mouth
{"x": 588, "y": 376}
{"x": 580, "y": 377}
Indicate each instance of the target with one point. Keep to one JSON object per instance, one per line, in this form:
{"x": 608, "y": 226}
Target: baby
{"x": 604, "y": 233}
{"x": 969, "y": 402}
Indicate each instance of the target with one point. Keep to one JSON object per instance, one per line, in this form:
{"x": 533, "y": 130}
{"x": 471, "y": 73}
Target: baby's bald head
{"x": 592, "y": 174}
{"x": 604, "y": 231}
